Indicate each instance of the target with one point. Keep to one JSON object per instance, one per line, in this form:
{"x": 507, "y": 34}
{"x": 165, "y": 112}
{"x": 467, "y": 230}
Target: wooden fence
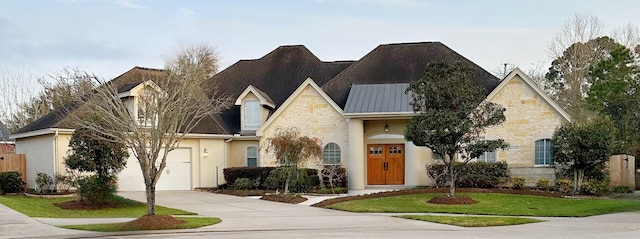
{"x": 14, "y": 162}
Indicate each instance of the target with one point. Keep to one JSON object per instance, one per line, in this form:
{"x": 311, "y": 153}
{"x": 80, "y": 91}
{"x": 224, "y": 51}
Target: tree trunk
{"x": 452, "y": 185}
{"x": 575, "y": 182}
{"x": 151, "y": 200}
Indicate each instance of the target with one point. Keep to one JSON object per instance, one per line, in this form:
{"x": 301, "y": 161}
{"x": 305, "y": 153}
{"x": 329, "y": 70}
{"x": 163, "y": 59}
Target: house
{"x": 7, "y": 145}
{"x": 358, "y": 109}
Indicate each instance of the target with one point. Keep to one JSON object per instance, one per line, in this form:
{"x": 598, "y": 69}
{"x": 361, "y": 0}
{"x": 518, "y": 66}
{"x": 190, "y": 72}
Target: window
{"x": 488, "y": 157}
{"x": 251, "y": 114}
{"x": 147, "y": 107}
{"x": 331, "y": 154}
{"x": 252, "y": 156}
{"x": 543, "y": 152}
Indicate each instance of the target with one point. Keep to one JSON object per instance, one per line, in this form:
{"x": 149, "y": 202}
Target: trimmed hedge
{"x": 257, "y": 175}
{"x": 272, "y": 178}
{"x": 472, "y": 174}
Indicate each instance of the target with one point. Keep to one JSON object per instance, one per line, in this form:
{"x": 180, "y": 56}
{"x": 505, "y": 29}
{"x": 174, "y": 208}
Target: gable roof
{"x": 307, "y": 83}
{"x": 378, "y": 99}
{"x": 277, "y": 74}
{"x": 400, "y": 63}
{"x": 518, "y": 72}
{"x": 262, "y": 96}
{"x": 124, "y": 82}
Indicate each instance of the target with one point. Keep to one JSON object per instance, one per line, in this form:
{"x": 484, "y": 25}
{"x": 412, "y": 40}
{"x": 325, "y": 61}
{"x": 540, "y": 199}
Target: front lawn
{"x": 492, "y": 204}
{"x": 43, "y": 207}
{"x": 472, "y": 221}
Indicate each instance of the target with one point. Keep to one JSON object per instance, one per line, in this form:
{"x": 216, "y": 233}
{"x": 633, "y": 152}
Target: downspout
{"x": 226, "y": 145}
{"x": 55, "y": 157}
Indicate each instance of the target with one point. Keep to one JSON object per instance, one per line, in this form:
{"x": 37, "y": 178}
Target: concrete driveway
{"x": 253, "y": 218}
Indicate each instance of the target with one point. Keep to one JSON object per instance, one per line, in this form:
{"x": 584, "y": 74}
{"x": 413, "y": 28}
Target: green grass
{"x": 43, "y": 207}
{"x": 493, "y": 204}
{"x": 191, "y": 222}
{"x": 472, "y": 221}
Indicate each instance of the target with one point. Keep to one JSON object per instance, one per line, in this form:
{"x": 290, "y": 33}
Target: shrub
{"x": 43, "y": 182}
{"x": 563, "y": 185}
{"x": 596, "y": 187}
{"x": 11, "y": 182}
{"x": 481, "y": 174}
{"x": 438, "y": 173}
{"x": 258, "y": 175}
{"x": 518, "y": 182}
{"x": 621, "y": 189}
{"x": 472, "y": 174}
{"x": 304, "y": 179}
{"x": 334, "y": 175}
{"x": 543, "y": 184}
{"x": 64, "y": 182}
{"x": 96, "y": 190}
{"x": 243, "y": 184}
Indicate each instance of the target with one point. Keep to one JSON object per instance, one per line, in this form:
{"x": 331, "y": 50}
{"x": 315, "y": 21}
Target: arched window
{"x": 252, "y": 156}
{"x": 543, "y": 152}
{"x": 331, "y": 154}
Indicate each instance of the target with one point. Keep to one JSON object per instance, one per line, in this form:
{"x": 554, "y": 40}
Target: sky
{"x": 109, "y": 37}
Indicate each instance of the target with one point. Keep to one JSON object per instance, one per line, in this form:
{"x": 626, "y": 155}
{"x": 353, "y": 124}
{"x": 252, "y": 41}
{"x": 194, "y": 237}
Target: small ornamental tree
{"x": 293, "y": 150}
{"x": 582, "y": 146}
{"x": 451, "y": 115}
{"x": 103, "y": 158}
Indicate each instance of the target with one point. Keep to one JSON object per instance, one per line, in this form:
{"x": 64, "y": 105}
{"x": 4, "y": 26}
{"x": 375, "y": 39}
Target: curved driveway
{"x": 253, "y": 218}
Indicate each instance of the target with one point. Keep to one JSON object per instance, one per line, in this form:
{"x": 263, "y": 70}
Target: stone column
{"x": 356, "y": 154}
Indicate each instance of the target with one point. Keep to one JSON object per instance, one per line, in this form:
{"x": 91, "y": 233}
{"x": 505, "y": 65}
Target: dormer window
{"x": 254, "y": 108}
{"x": 251, "y": 114}
{"x": 141, "y": 100}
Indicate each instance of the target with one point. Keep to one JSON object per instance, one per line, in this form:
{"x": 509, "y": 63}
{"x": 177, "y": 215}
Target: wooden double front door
{"x": 385, "y": 164}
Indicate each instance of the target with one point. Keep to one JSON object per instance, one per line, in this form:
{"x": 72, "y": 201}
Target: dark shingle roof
{"x": 399, "y": 63}
{"x": 378, "y": 98}
{"x": 278, "y": 74}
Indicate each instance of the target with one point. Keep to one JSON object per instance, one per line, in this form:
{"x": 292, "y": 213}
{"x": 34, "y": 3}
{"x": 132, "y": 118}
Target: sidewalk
{"x": 16, "y": 225}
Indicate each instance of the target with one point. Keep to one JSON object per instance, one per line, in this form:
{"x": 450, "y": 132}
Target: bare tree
{"x": 26, "y": 98}
{"x": 169, "y": 106}
{"x": 333, "y": 173}
{"x": 629, "y": 36}
{"x": 574, "y": 51}
{"x": 16, "y": 88}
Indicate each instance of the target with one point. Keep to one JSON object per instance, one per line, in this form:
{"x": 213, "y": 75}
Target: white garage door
{"x": 176, "y": 175}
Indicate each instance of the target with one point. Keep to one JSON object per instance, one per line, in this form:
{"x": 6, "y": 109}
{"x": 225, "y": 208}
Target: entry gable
{"x": 263, "y": 97}
{"x": 518, "y": 74}
{"x": 307, "y": 83}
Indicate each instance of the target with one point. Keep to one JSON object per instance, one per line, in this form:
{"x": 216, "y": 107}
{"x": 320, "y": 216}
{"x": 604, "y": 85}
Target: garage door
{"x": 176, "y": 175}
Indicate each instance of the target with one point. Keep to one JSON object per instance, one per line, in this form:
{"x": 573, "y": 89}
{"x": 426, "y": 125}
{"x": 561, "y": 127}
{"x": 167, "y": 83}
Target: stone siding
{"x": 314, "y": 117}
{"x": 529, "y": 118}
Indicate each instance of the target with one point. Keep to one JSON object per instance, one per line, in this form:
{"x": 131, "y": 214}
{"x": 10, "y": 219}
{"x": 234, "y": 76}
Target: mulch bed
{"x": 293, "y": 199}
{"x": 532, "y": 192}
{"x": 153, "y": 222}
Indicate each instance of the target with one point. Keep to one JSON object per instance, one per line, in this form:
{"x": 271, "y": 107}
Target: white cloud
{"x": 387, "y": 3}
{"x": 130, "y": 4}
{"x": 188, "y": 12}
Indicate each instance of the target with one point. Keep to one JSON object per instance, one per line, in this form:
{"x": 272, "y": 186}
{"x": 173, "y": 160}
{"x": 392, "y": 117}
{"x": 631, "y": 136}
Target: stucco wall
{"x": 528, "y": 118}
{"x": 314, "y": 117}
{"x": 39, "y": 151}
{"x": 237, "y": 154}
{"x": 416, "y": 158}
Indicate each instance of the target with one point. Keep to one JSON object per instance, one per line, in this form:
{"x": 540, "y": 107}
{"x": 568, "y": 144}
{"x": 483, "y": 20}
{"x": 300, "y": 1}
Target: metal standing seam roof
{"x": 378, "y": 98}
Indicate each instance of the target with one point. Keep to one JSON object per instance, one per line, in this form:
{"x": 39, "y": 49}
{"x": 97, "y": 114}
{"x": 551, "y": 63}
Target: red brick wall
{"x": 7, "y": 148}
